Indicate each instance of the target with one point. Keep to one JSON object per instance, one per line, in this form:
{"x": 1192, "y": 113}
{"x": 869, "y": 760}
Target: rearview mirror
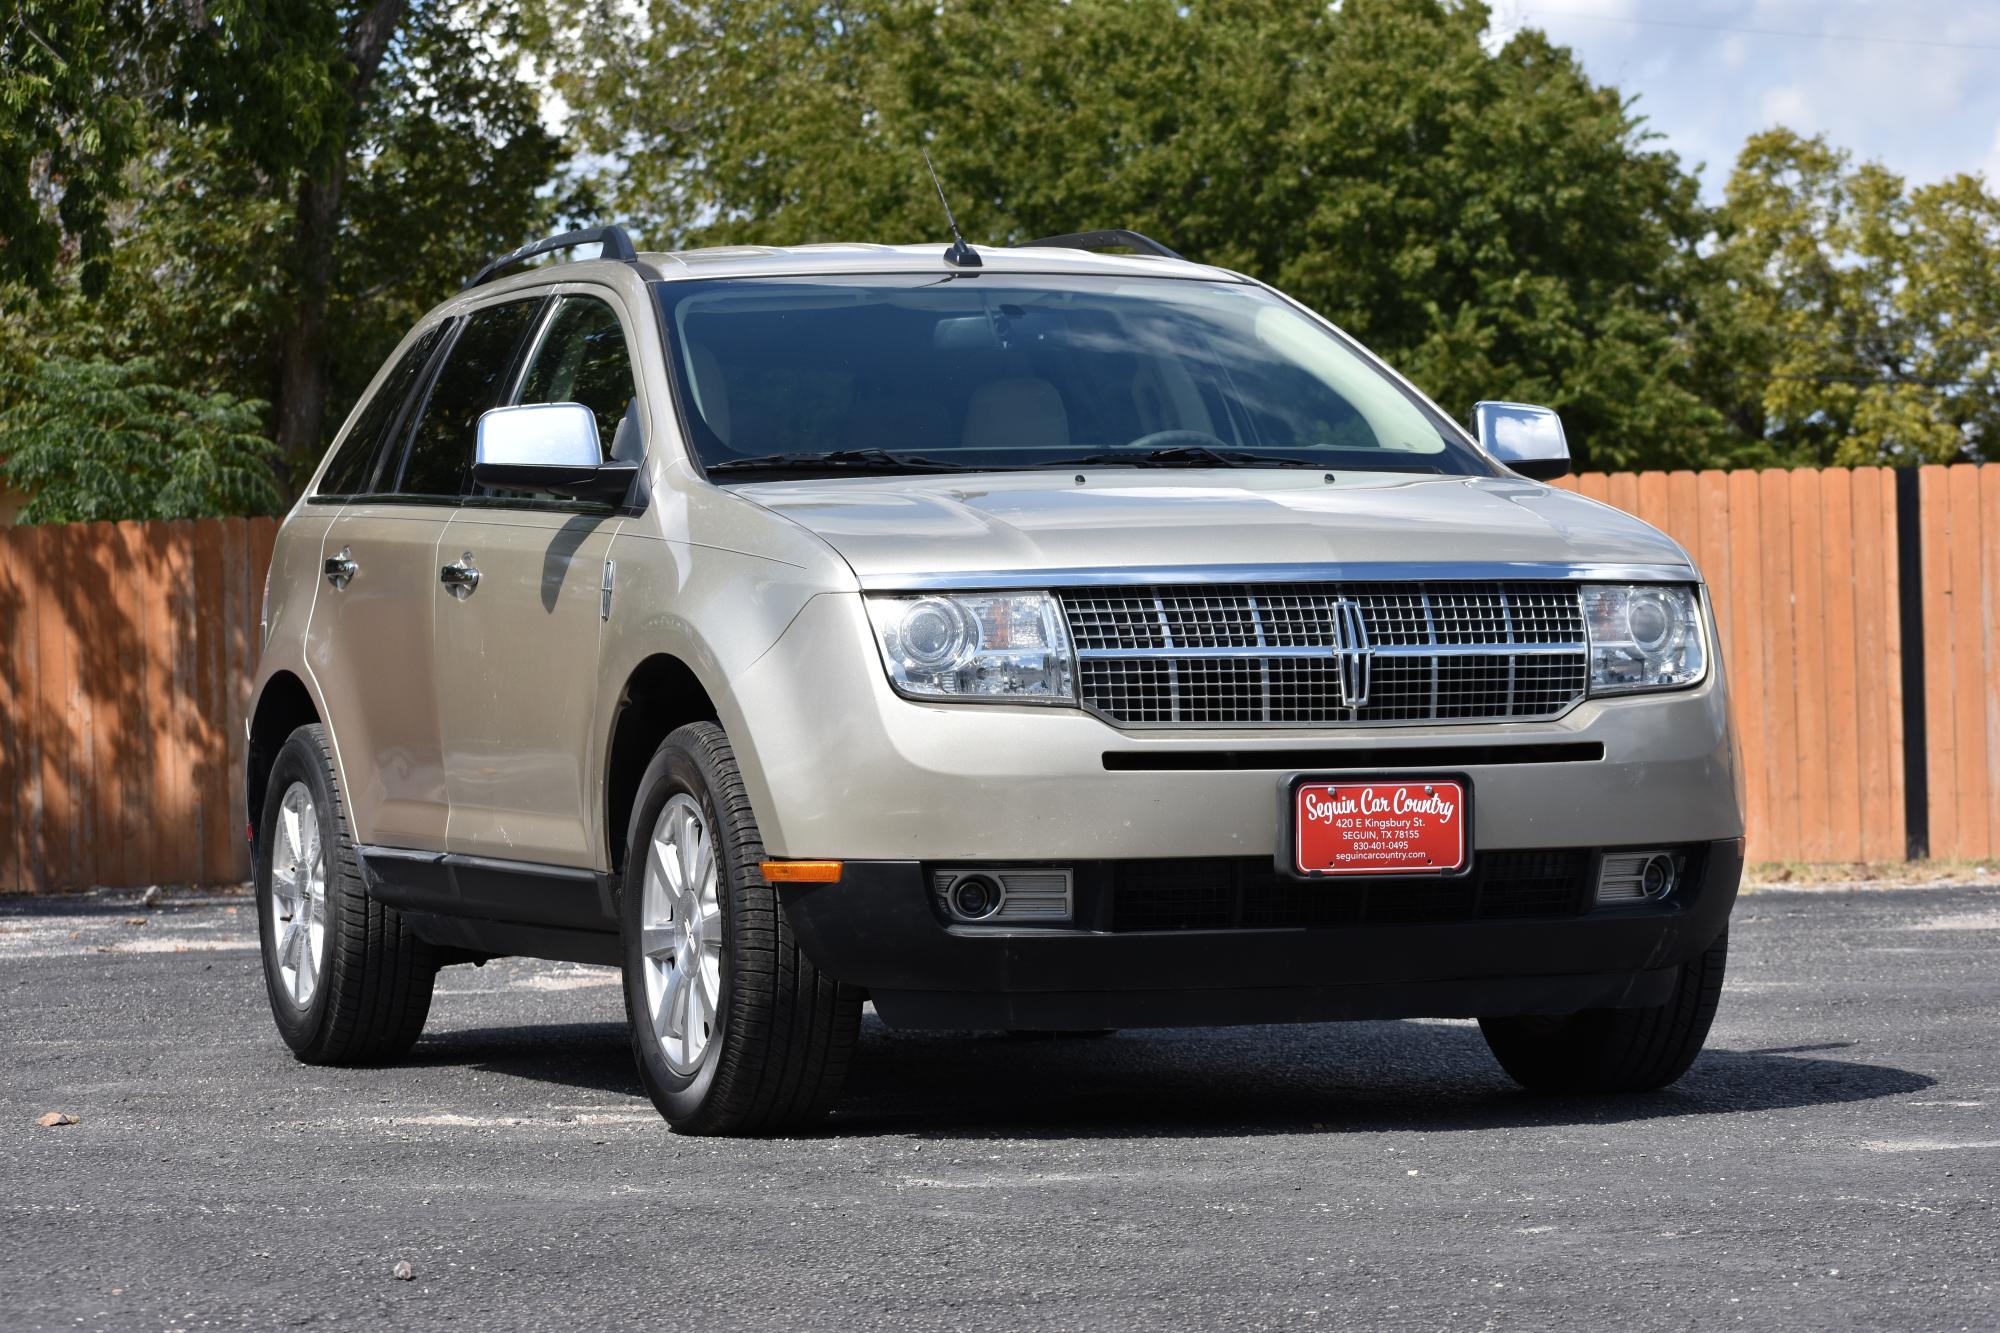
{"x": 548, "y": 447}
{"x": 1527, "y": 439}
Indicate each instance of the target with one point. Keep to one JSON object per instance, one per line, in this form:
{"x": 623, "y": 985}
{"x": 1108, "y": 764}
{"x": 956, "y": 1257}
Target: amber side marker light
{"x": 801, "y": 872}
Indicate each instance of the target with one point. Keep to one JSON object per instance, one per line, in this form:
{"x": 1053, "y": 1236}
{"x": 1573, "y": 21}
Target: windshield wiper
{"x": 1187, "y": 455}
{"x": 840, "y": 460}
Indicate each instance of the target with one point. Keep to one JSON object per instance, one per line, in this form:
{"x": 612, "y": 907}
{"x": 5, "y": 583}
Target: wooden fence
{"x": 126, "y": 652}
{"x": 1961, "y": 645}
{"x": 1802, "y": 569}
{"x": 1809, "y": 571}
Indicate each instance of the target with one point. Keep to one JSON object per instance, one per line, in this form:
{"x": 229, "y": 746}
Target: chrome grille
{"x": 1329, "y": 653}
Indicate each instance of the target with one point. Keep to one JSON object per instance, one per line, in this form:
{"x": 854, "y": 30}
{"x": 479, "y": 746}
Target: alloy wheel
{"x": 298, "y": 894}
{"x": 681, "y": 933}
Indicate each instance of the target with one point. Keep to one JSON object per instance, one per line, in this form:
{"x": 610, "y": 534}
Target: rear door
{"x": 520, "y": 650}
{"x": 371, "y": 645}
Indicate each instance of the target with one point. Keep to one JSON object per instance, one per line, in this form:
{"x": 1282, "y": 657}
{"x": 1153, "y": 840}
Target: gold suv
{"x": 1030, "y": 638}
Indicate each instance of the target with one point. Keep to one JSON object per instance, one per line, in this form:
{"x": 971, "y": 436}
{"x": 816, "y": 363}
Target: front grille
{"x": 1249, "y": 894}
{"x": 1329, "y": 654}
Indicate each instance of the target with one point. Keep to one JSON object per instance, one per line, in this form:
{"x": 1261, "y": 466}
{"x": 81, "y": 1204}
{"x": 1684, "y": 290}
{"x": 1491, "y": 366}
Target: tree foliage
{"x": 454, "y": 166}
{"x": 283, "y": 219}
{"x": 255, "y": 198}
{"x": 1864, "y": 317}
{"x": 105, "y": 440}
{"x": 401, "y": 133}
{"x": 66, "y": 132}
{"x": 1449, "y": 205}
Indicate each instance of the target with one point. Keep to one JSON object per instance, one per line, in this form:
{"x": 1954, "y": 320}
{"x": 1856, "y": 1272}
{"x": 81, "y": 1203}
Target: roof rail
{"x": 616, "y": 245}
{"x": 1110, "y": 238}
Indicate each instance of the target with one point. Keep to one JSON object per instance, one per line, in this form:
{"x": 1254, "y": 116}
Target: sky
{"x": 1912, "y": 84}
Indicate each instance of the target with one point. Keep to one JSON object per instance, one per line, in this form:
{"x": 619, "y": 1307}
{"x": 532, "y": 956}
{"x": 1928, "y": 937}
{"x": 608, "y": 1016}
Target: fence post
{"x": 1910, "y": 614}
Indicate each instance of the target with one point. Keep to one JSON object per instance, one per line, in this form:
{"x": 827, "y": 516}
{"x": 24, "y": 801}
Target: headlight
{"x": 1007, "y": 647}
{"x": 1642, "y": 637}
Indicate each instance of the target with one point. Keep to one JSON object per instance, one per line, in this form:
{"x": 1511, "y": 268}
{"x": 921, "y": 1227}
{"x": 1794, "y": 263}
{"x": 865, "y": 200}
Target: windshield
{"x": 991, "y": 372}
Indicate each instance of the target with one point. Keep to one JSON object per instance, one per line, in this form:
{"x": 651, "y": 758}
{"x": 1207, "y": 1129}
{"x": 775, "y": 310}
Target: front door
{"x": 519, "y": 656}
{"x": 519, "y": 647}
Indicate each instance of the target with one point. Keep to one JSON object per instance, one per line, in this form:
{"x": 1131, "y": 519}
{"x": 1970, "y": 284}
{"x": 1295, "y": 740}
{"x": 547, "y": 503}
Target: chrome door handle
{"x": 340, "y": 569}
{"x": 459, "y": 577}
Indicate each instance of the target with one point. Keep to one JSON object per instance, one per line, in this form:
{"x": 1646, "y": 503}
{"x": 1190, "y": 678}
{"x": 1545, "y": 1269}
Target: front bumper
{"x": 838, "y": 765}
{"x": 878, "y": 929}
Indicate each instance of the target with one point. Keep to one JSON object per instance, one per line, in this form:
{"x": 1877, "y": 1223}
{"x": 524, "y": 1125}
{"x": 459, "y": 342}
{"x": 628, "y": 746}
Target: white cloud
{"x": 1787, "y": 104}
{"x": 1920, "y": 96}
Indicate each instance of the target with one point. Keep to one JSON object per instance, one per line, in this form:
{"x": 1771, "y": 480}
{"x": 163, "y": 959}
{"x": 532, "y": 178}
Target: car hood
{"x": 944, "y": 525}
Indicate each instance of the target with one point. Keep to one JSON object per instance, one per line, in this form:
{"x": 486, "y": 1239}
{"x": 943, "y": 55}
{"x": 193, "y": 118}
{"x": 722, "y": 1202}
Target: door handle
{"x": 341, "y": 569}
{"x": 459, "y": 577}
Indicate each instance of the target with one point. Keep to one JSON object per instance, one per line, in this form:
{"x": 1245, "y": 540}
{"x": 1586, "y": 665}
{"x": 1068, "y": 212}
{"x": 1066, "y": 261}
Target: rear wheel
{"x": 734, "y": 1029}
{"x": 1614, "y": 1050}
{"x": 349, "y": 983}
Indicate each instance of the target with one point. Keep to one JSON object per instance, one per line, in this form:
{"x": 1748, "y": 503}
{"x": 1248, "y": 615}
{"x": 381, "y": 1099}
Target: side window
{"x": 582, "y": 359}
{"x": 352, "y": 471}
{"x": 474, "y": 377}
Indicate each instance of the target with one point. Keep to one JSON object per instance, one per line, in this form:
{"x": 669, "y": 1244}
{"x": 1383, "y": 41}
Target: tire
{"x": 1614, "y": 1050}
{"x": 369, "y": 989}
{"x": 763, "y": 1041}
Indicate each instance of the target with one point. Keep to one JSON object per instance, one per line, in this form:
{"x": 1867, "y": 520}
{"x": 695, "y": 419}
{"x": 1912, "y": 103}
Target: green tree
{"x": 190, "y": 281}
{"x": 305, "y": 177}
{"x": 98, "y": 439}
{"x": 66, "y": 132}
{"x": 1493, "y": 223}
{"x": 400, "y": 133}
{"x": 1862, "y": 318}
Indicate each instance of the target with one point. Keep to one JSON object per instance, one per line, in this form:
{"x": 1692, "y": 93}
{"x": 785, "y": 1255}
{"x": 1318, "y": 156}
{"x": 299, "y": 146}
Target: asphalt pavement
{"x": 1832, "y": 1161}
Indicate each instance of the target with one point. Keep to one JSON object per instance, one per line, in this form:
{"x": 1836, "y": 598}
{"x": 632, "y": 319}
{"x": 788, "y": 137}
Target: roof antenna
{"x": 960, "y": 255}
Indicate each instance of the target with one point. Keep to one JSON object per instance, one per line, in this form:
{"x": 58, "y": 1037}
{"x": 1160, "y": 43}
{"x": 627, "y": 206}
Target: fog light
{"x": 1030, "y": 895}
{"x": 1631, "y": 877}
{"x": 974, "y": 898}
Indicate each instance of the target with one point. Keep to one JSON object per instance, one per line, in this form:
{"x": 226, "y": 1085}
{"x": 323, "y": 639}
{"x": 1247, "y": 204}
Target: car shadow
{"x": 593, "y": 1056}
{"x": 1190, "y": 1082}
{"x": 1364, "y": 1076}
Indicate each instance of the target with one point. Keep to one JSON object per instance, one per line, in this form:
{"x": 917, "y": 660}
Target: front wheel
{"x": 735, "y": 1030}
{"x": 1614, "y": 1050}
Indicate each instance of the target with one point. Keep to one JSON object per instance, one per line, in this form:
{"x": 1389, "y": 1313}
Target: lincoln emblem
{"x": 1353, "y": 658}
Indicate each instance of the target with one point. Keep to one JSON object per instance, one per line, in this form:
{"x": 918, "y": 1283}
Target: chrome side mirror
{"x": 548, "y": 447}
{"x": 1527, "y": 439}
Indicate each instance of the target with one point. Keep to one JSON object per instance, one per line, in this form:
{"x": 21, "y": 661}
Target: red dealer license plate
{"x": 1373, "y": 827}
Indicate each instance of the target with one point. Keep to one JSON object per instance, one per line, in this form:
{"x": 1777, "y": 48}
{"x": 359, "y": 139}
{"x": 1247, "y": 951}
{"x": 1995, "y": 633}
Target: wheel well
{"x": 282, "y": 709}
{"x": 660, "y": 695}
